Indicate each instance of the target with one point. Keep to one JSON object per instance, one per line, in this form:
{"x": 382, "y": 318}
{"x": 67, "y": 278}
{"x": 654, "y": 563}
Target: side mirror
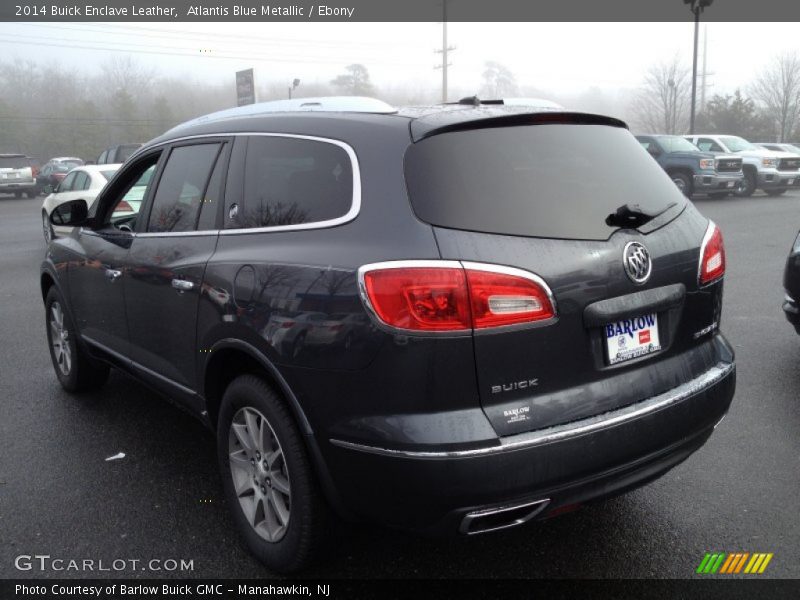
{"x": 71, "y": 214}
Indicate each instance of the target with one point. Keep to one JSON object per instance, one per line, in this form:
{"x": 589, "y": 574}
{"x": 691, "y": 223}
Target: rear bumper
{"x": 434, "y": 490}
{"x": 17, "y": 186}
{"x": 717, "y": 181}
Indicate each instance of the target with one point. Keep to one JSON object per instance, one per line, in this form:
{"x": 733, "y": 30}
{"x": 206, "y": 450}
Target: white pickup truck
{"x": 773, "y": 172}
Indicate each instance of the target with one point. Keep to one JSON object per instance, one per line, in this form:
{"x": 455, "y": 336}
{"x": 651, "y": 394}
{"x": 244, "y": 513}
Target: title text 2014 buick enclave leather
{"x": 447, "y": 319}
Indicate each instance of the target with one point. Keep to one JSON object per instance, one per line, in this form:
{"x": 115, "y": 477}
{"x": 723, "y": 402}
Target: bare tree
{"x": 777, "y": 89}
{"x": 355, "y": 82}
{"x": 498, "y": 81}
{"x": 662, "y": 103}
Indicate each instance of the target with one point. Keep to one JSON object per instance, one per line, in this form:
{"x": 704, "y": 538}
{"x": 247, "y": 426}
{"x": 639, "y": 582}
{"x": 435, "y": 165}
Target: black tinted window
{"x": 290, "y": 181}
{"x": 180, "y": 189}
{"x": 557, "y": 181}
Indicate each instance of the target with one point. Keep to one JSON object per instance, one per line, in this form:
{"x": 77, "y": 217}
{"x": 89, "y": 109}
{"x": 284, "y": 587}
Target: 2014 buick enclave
{"x": 531, "y": 307}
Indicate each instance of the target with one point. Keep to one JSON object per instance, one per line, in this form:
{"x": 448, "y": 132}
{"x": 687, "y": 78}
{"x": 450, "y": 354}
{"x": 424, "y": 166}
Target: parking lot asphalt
{"x": 163, "y": 500}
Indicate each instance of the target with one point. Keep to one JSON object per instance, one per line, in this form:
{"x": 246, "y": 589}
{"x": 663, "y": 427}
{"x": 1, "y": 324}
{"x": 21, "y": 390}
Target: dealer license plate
{"x": 631, "y": 338}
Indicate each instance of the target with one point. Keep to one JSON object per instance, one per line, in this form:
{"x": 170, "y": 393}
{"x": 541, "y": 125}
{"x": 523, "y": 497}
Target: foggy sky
{"x": 559, "y": 59}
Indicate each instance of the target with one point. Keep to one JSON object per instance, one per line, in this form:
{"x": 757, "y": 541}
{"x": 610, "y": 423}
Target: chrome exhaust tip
{"x": 501, "y": 517}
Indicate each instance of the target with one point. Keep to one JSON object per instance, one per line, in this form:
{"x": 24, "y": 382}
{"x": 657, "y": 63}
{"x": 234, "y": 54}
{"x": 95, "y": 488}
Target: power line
{"x": 187, "y": 35}
{"x": 144, "y": 49}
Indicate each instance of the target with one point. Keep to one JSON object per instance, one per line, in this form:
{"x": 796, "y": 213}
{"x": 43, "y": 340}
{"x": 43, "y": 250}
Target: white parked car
{"x": 84, "y": 182}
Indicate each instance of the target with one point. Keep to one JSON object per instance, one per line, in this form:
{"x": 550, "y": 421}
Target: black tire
{"x": 774, "y": 192}
{"x": 683, "y": 182}
{"x": 31, "y": 194}
{"x": 17, "y": 194}
{"x": 309, "y": 517}
{"x": 82, "y": 373}
{"x": 748, "y": 186}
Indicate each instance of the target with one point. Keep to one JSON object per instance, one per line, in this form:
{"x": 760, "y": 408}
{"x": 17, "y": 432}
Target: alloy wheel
{"x": 260, "y": 474}
{"x": 59, "y": 339}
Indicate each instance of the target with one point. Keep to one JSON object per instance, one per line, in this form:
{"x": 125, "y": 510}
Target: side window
{"x": 180, "y": 189}
{"x": 291, "y": 181}
{"x": 81, "y": 181}
{"x": 102, "y": 159}
{"x": 67, "y": 183}
{"x": 213, "y": 196}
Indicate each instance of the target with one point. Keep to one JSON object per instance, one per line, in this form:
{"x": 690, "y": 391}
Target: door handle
{"x": 113, "y": 274}
{"x": 182, "y": 285}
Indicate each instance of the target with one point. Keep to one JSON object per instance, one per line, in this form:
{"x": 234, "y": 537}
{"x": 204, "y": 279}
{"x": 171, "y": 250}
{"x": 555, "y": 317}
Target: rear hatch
{"x": 15, "y": 168}
{"x": 538, "y": 197}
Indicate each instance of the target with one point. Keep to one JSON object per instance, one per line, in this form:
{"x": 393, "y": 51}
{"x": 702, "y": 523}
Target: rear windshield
{"x": 13, "y": 162}
{"x": 549, "y": 180}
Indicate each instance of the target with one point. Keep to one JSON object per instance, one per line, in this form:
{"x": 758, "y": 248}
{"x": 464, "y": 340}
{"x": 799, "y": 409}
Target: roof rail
{"x": 531, "y": 102}
{"x": 359, "y": 104}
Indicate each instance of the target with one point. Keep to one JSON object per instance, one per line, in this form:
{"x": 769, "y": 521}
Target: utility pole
{"x": 697, "y": 7}
{"x": 443, "y": 51}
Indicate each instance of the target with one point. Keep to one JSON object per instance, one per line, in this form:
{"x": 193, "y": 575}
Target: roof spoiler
{"x": 516, "y": 119}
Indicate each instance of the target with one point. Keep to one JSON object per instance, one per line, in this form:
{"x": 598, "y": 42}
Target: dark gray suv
{"x": 450, "y": 319}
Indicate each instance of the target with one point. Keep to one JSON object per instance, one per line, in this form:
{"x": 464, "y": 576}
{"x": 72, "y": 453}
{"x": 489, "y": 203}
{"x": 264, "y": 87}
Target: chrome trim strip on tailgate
{"x": 559, "y": 433}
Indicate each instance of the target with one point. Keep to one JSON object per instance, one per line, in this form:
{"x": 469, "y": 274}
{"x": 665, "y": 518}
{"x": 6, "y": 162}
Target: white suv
{"x": 16, "y": 175}
{"x": 773, "y": 172}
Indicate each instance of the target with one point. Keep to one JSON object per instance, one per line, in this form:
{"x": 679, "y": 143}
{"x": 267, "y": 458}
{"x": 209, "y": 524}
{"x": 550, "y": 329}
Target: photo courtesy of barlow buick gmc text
{"x": 353, "y": 301}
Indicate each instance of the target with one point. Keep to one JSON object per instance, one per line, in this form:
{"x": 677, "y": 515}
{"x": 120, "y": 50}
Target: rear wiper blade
{"x": 633, "y": 215}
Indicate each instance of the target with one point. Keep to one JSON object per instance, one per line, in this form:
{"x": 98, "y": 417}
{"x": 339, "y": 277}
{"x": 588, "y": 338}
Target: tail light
{"x": 287, "y": 324}
{"x": 451, "y": 296}
{"x": 335, "y": 327}
{"x": 123, "y": 206}
{"x": 712, "y": 256}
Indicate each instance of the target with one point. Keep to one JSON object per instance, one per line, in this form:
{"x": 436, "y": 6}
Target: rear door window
{"x": 179, "y": 194}
{"x": 291, "y": 181}
{"x": 548, "y": 180}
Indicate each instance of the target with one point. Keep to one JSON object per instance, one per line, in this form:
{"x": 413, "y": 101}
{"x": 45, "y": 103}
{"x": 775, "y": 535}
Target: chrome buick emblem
{"x": 637, "y": 263}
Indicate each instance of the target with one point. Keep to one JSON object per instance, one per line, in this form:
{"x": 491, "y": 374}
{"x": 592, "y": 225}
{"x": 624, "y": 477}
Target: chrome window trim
{"x": 350, "y": 215}
{"x": 558, "y": 433}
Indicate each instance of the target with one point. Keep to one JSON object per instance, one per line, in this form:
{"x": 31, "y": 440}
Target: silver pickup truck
{"x": 773, "y": 172}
